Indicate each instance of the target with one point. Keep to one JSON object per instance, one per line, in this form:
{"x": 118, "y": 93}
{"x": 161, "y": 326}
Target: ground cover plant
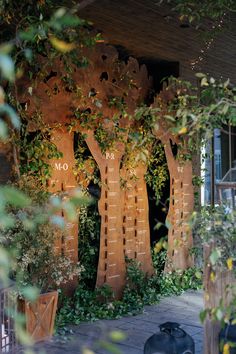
{"x": 90, "y": 303}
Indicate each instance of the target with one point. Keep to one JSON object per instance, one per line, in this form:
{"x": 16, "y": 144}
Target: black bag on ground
{"x": 170, "y": 340}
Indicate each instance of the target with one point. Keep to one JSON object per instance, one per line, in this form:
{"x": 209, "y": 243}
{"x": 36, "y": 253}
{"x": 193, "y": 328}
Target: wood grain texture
{"x": 63, "y": 180}
{"x": 181, "y": 203}
{"x": 111, "y": 266}
{"x": 40, "y": 315}
{"x": 181, "y": 207}
{"x": 136, "y": 229}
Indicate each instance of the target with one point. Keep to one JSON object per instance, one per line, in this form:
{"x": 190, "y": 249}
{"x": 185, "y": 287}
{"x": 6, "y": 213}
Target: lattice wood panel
{"x": 180, "y": 240}
{"x": 181, "y": 206}
{"x": 136, "y": 230}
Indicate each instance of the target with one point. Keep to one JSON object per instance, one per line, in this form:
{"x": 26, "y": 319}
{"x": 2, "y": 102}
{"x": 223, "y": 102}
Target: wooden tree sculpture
{"x": 52, "y": 100}
{"x": 110, "y": 91}
{"x": 98, "y": 101}
{"x": 136, "y": 216}
{"x": 63, "y": 180}
{"x": 181, "y": 201}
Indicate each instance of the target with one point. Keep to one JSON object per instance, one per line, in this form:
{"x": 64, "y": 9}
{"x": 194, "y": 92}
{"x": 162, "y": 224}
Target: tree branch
{"x": 93, "y": 146}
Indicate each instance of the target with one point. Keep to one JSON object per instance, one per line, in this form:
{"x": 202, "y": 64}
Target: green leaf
{"x": 58, "y": 221}
{"x": 117, "y": 336}
{"x": 219, "y": 314}
{"x": 168, "y": 224}
{"x": 203, "y": 315}
{"x": 158, "y": 226}
{"x": 3, "y": 130}
{"x": 198, "y": 275}
{"x": 28, "y": 35}
{"x": 14, "y": 196}
{"x": 171, "y": 118}
{"x": 30, "y": 293}
{"x": 225, "y": 109}
{"x": 5, "y": 109}
{"x": 204, "y": 82}
{"x": 6, "y": 48}
{"x": 6, "y": 221}
{"x": 200, "y": 75}
{"x": 215, "y": 255}
{"x": 7, "y": 67}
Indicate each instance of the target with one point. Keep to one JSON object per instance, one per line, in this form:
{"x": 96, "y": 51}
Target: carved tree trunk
{"x": 136, "y": 232}
{"x": 63, "y": 179}
{"x": 111, "y": 266}
{"x": 180, "y": 240}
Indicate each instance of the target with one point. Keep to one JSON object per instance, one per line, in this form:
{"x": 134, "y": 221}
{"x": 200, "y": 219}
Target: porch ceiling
{"x": 146, "y": 30}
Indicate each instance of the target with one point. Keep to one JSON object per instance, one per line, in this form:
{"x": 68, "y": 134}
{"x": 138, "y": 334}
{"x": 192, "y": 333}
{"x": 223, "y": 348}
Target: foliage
{"x": 190, "y": 116}
{"x": 86, "y": 167}
{"x": 43, "y": 28}
{"x": 35, "y": 150}
{"x": 89, "y": 235}
{"x": 157, "y": 174}
{"x": 90, "y": 305}
{"x": 198, "y": 12}
{"x": 218, "y": 226}
{"x": 31, "y": 240}
{"x": 175, "y": 283}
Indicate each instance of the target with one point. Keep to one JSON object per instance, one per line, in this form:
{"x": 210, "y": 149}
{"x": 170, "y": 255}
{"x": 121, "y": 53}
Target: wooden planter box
{"x": 40, "y": 315}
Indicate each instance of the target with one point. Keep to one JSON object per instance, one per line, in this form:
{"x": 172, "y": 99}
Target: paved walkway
{"x": 183, "y": 309}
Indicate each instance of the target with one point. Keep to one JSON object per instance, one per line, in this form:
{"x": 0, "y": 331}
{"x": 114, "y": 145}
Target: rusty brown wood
{"x": 181, "y": 203}
{"x": 63, "y": 180}
{"x": 181, "y": 206}
{"x": 40, "y": 315}
{"x": 105, "y": 78}
{"x": 111, "y": 266}
{"x": 136, "y": 230}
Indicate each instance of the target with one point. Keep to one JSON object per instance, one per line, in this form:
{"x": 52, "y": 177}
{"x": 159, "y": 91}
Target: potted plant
{"x": 38, "y": 265}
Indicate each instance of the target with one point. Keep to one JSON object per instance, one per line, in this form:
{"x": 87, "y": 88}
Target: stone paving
{"x": 183, "y": 309}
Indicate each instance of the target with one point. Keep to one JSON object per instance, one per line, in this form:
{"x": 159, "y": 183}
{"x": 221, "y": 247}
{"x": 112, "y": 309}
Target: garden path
{"x": 183, "y": 309}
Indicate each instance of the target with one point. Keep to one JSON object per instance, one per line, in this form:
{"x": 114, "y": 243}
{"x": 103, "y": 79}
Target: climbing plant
{"x": 197, "y": 12}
